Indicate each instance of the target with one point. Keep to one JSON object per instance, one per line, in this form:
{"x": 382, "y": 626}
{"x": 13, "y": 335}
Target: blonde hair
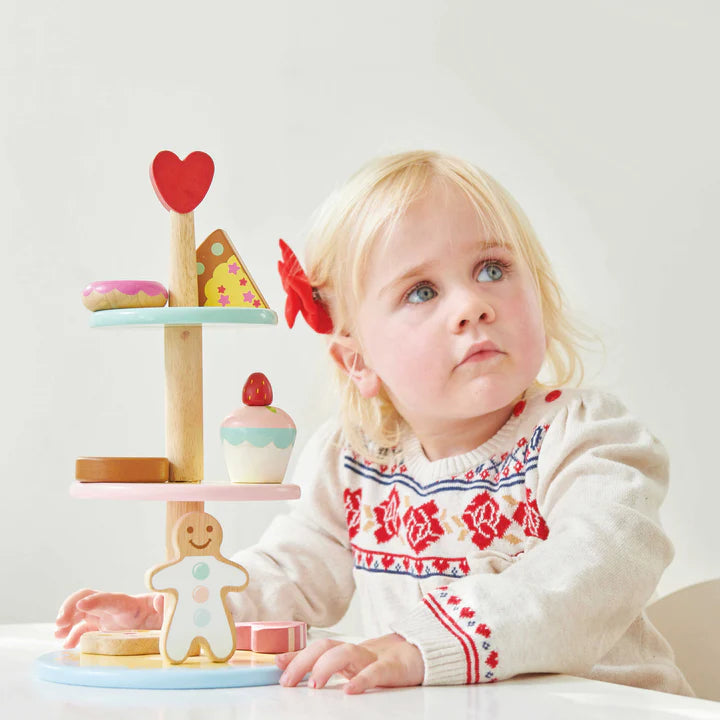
{"x": 348, "y": 227}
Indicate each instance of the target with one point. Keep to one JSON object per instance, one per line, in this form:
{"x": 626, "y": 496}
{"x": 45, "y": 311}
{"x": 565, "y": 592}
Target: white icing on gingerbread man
{"x": 195, "y": 586}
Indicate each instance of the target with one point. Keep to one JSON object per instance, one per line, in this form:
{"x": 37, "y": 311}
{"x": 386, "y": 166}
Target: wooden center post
{"x": 183, "y": 374}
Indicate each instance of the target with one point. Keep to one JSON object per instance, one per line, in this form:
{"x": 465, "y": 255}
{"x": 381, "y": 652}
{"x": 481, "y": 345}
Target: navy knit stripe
{"x": 441, "y": 485}
{"x": 392, "y": 571}
{"x": 493, "y": 465}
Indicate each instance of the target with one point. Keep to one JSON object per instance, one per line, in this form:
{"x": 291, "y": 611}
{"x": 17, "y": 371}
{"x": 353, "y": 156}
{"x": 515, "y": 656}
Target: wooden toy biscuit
{"x": 131, "y": 642}
{"x": 115, "y": 294}
{"x": 223, "y": 279}
{"x": 196, "y": 585}
{"x": 122, "y": 469}
{"x": 124, "y": 642}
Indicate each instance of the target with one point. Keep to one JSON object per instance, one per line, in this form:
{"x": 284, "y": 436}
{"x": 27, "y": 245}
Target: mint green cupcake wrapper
{"x": 281, "y": 438}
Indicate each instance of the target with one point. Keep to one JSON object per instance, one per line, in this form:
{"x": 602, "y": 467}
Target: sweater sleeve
{"x": 567, "y": 600}
{"x": 301, "y": 568}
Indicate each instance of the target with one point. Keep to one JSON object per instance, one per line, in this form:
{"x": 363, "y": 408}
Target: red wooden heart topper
{"x": 181, "y": 184}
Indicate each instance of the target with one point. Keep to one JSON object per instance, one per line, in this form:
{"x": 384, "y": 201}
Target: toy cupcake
{"x": 257, "y": 438}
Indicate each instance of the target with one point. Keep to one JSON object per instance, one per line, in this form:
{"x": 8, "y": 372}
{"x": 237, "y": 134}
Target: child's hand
{"x": 90, "y": 610}
{"x": 387, "y": 661}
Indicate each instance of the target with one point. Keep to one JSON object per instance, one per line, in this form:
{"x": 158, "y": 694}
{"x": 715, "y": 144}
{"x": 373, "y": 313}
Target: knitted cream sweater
{"x": 535, "y": 552}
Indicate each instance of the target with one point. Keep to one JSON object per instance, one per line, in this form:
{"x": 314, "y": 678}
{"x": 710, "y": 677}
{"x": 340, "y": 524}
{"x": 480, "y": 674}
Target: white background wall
{"x": 600, "y": 116}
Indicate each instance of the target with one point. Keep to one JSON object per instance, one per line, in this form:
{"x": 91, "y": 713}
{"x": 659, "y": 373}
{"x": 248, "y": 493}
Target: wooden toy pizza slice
{"x": 223, "y": 278}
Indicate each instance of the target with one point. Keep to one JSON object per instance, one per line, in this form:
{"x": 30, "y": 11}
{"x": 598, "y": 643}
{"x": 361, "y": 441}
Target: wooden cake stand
{"x": 185, "y": 492}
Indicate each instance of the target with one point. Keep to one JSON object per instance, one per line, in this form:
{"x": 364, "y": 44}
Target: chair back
{"x": 689, "y": 619}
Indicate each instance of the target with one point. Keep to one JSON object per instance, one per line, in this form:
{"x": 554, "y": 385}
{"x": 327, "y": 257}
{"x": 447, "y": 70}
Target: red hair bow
{"x": 301, "y": 297}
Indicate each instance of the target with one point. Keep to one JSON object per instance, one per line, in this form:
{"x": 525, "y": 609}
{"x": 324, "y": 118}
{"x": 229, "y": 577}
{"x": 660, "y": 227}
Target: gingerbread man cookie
{"x": 196, "y": 585}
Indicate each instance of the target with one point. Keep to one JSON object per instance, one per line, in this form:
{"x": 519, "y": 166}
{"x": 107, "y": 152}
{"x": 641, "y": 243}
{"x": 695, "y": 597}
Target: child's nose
{"x": 471, "y": 308}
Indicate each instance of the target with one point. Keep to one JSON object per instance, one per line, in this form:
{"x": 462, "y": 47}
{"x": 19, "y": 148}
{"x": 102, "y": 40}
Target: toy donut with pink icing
{"x": 115, "y": 294}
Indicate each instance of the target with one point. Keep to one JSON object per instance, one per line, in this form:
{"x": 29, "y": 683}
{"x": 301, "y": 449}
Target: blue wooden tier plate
{"x": 151, "y": 672}
{"x": 183, "y": 316}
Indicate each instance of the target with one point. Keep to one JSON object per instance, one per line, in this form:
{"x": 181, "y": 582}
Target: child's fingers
{"x": 152, "y": 605}
{"x": 282, "y": 660}
{"x": 66, "y": 614}
{"x": 117, "y": 611}
{"x": 374, "y": 675}
{"x": 62, "y": 632}
{"x": 105, "y": 602}
{"x": 347, "y": 659}
{"x": 304, "y": 660}
{"x": 77, "y": 632}
{"x": 382, "y": 673}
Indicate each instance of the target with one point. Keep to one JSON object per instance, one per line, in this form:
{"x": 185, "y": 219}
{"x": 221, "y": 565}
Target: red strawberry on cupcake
{"x": 257, "y": 390}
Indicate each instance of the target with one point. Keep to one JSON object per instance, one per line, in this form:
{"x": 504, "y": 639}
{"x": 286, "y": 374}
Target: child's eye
{"x": 492, "y": 271}
{"x": 421, "y": 293}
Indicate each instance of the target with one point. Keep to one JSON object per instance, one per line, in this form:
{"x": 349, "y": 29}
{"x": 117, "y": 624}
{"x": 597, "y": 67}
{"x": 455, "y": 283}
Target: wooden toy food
{"x": 115, "y": 294}
{"x": 260, "y": 637}
{"x": 196, "y": 585}
{"x": 127, "y": 642}
{"x": 122, "y": 469}
{"x": 223, "y": 278}
{"x": 257, "y": 438}
{"x": 271, "y": 637}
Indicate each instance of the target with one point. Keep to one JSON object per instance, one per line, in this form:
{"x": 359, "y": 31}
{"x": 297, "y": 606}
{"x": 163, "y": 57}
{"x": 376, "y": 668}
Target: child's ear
{"x": 345, "y": 351}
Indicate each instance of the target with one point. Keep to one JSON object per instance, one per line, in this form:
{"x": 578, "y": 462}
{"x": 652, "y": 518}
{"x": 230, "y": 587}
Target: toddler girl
{"x": 492, "y": 525}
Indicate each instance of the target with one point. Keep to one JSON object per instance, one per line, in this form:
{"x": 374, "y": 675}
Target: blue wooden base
{"x": 150, "y": 672}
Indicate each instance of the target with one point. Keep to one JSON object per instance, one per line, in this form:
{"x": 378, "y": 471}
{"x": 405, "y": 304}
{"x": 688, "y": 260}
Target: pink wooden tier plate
{"x": 190, "y": 492}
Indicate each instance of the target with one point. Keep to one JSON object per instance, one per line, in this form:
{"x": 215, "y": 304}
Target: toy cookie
{"x": 115, "y": 294}
{"x": 122, "y": 469}
{"x": 257, "y": 438}
{"x": 126, "y": 642}
{"x": 196, "y": 585}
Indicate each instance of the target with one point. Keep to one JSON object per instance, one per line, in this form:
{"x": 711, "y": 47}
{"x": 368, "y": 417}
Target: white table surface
{"x": 542, "y": 697}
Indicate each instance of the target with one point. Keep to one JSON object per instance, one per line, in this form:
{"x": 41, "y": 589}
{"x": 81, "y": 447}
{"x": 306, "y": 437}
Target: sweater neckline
{"x": 421, "y": 468}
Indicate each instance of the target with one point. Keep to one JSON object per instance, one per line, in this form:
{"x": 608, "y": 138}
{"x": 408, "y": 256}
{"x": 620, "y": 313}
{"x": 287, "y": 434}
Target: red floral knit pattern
{"x": 473, "y": 636}
{"x": 387, "y": 516}
{"x": 422, "y": 526}
{"x": 528, "y": 515}
{"x": 398, "y": 525}
{"x": 484, "y": 520}
{"x": 352, "y": 510}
